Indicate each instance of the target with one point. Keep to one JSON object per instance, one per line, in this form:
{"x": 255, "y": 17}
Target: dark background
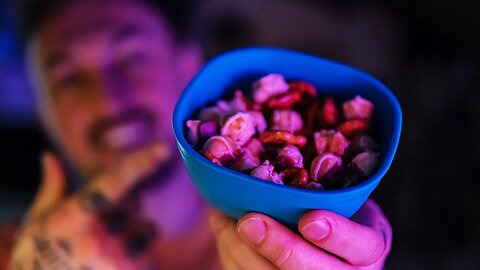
{"x": 427, "y": 53}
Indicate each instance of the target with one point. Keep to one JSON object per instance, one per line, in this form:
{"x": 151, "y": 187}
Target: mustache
{"x": 97, "y": 130}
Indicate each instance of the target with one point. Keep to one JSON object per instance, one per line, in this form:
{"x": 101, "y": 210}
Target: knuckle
{"x": 235, "y": 247}
{"x": 222, "y": 234}
{"x": 283, "y": 255}
{"x": 221, "y": 231}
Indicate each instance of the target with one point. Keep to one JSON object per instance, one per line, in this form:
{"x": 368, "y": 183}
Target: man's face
{"x": 108, "y": 76}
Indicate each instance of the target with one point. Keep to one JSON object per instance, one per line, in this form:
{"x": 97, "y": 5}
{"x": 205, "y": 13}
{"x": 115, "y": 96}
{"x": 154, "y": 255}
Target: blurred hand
{"x": 62, "y": 232}
{"x": 327, "y": 241}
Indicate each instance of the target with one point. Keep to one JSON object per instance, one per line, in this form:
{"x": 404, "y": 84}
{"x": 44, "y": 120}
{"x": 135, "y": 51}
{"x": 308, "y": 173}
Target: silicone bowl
{"x": 234, "y": 193}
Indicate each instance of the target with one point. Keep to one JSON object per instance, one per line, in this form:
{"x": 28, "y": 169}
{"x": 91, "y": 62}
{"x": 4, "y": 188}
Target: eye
{"x": 71, "y": 80}
{"x": 133, "y": 62}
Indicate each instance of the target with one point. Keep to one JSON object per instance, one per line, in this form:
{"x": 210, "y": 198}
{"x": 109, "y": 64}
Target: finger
{"x": 112, "y": 185}
{"x": 218, "y": 222}
{"x": 358, "y": 244}
{"x": 282, "y": 247}
{"x": 52, "y": 188}
{"x": 81, "y": 210}
{"x": 234, "y": 253}
{"x": 371, "y": 215}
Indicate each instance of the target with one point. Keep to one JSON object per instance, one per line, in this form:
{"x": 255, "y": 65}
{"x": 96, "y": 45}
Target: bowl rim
{"x": 362, "y": 187}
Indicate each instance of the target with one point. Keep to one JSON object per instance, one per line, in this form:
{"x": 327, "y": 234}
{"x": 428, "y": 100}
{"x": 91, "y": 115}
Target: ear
{"x": 189, "y": 59}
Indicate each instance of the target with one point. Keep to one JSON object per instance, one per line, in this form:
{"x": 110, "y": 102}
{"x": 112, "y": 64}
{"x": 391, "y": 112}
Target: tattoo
{"x": 93, "y": 201}
{"x": 37, "y": 265}
{"x": 35, "y": 252}
{"x": 41, "y": 245}
{"x": 64, "y": 245}
{"x": 49, "y": 257}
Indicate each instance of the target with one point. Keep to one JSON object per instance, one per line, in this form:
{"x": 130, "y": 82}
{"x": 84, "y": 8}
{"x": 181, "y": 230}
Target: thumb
{"x": 52, "y": 188}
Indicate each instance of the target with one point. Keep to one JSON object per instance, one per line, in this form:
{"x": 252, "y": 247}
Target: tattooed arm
{"x": 43, "y": 254}
{"x": 68, "y": 232}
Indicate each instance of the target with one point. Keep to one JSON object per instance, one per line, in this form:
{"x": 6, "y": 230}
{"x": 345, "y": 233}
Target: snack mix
{"x": 287, "y": 135}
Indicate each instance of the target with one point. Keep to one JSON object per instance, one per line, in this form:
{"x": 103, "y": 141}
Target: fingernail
{"x": 253, "y": 230}
{"x": 316, "y": 230}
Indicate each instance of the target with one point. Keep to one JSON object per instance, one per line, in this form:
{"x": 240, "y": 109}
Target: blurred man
{"x": 107, "y": 75}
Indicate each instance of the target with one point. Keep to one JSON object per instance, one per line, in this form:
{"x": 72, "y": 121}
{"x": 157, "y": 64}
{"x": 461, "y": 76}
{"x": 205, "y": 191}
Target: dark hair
{"x": 177, "y": 13}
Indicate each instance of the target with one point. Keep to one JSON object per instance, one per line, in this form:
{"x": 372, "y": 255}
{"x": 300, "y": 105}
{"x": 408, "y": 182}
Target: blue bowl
{"x": 234, "y": 193}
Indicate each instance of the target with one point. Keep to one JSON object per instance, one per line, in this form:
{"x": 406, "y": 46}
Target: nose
{"x": 111, "y": 90}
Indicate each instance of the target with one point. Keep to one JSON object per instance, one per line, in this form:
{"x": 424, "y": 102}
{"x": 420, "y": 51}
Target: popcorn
{"x": 223, "y": 108}
{"x": 305, "y": 144}
{"x": 245, "y": 162}
{"x": 220, "y": 148}
{"x": 325, "y": 166}
{"x": 259, "y": 121}
{"x": 330, "y": 141}
{"x": 357, "y": 108}
{"x": 208, "y": 129}
{"x": 255, "y": 146}
{"x": 290, "y": 156}
{"x": 240, "y": 127}
{"x": 288, "y": 120}
{"x": 267, "y": 172}
{"x": 269, "y": 86}
{"x": 239, "y": 102}
{"x": 198, "y": 131}
{"x": 193, "y": 131}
